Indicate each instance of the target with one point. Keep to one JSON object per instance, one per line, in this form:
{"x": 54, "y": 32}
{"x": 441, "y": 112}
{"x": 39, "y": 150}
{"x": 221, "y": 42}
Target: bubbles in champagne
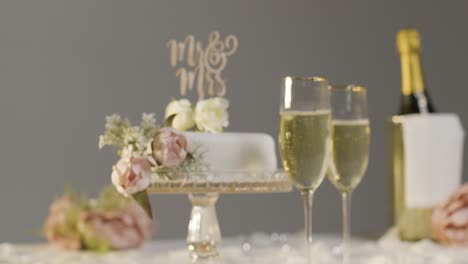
{"x": 350, "y": 153}
{"x": 305, "y": 145}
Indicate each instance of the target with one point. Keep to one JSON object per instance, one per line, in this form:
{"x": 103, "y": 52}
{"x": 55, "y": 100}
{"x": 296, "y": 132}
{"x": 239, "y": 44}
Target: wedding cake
{"x": 191, "y": 141}
{"x": 189, "y": 144}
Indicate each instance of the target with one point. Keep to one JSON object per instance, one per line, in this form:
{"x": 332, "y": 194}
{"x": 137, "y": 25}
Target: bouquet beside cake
{"x": 111, "y": 222}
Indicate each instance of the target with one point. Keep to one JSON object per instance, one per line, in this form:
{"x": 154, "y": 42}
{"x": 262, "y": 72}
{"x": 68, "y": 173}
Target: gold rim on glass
{"x": 306, "y": 78}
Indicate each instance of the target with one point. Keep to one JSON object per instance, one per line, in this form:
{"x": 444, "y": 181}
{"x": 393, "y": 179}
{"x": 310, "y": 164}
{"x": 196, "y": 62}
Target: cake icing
{"x": 234, "y": 151}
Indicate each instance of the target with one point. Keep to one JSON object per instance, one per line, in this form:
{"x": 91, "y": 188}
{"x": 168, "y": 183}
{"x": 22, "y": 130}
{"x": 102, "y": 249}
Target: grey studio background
{"x": 65, "y": 65}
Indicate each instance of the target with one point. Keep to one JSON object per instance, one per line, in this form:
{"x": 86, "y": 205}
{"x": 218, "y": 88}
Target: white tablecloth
{"x": 253, "y": 249}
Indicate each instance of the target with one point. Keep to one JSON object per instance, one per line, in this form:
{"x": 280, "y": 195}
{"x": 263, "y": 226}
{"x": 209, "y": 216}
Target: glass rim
{"x": 345, "y": 87}
{"x": 306, "y": 78}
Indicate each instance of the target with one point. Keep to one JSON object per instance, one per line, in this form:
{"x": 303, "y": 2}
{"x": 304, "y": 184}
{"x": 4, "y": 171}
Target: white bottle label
{"x": 433, "y": 146}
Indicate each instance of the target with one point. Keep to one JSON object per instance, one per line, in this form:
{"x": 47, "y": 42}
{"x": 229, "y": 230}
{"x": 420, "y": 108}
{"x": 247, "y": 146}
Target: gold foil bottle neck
{"x": 408, "y": 40}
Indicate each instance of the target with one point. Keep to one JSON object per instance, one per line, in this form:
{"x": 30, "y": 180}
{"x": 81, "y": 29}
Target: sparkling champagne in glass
{"x": 350, "y": 148}
{"x": 305, "y": 137}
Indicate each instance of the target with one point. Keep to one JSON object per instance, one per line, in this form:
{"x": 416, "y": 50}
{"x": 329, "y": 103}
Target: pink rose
{"x": 131, "y": 175}
{"x": 169, "y": 147}
{"x": 124, "y": 228}
{"x": 59, "y": 229}
{"x": 450, "y": 219}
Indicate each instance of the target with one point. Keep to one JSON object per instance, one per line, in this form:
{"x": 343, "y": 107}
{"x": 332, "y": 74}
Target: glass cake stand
{"x": 203, "y": 189}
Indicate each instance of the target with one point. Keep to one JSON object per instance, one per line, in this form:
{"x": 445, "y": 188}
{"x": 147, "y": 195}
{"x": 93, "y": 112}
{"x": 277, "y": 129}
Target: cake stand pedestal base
{"x": 203, "y": 189}
{"x": 204, "y": 236}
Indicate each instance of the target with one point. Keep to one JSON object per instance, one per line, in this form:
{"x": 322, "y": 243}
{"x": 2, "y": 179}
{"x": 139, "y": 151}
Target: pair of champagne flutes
{"x": 324, "y": 130}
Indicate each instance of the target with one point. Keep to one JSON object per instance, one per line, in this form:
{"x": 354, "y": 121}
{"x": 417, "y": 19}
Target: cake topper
{"x": 198, "y": 66}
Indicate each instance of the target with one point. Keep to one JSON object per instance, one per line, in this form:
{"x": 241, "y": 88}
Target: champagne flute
{"x": 350, "y": 148}
{"x": 304, "y": 138}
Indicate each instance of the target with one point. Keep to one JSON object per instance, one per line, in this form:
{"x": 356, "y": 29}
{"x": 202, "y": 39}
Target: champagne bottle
{"x": 414, "y": 96}
{"x": 412, "y": 223}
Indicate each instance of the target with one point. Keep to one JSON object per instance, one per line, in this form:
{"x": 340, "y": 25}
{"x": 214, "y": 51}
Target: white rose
{"x": 182, "y": 113}
{"x": 211, "y": 114}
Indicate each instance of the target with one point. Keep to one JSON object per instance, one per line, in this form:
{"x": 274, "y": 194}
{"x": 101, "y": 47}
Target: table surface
{"x": 257, "y": 248}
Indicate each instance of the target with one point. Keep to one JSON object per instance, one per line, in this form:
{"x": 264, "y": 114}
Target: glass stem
{"x": 346, "y": 196}
{"x": 308, "y": 197}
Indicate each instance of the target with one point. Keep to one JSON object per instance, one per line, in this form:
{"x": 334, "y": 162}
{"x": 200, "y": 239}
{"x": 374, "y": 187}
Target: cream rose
{"x": 169, "y": 147}
{"x": 131, "y": 175}
{"x": 211, "y": 114}
{"x": 182, "y": 114}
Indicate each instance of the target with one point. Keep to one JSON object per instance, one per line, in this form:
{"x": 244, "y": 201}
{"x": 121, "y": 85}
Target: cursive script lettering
{"x": 201, "y": 67}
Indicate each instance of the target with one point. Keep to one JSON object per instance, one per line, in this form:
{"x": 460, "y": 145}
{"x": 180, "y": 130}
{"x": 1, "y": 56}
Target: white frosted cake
{"x": 234, "y": 151}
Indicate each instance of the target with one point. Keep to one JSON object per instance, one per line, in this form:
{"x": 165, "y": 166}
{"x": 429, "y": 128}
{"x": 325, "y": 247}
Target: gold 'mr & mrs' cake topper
{"x": 201, "y": 66}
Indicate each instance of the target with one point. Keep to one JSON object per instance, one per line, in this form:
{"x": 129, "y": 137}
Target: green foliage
{"x": 142, "y": 199}
{"x": 121, "y": 134}
{"x": 93, "y": 242}
{"x": 109, "y": 200}
{"x": 114, "y": 132}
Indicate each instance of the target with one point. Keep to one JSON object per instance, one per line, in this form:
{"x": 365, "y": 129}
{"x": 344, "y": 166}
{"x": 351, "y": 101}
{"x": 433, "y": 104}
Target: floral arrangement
{"x": 450, "y": 219}
{"x": 148, "y": 149}
{"x": 110, "y": 222}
